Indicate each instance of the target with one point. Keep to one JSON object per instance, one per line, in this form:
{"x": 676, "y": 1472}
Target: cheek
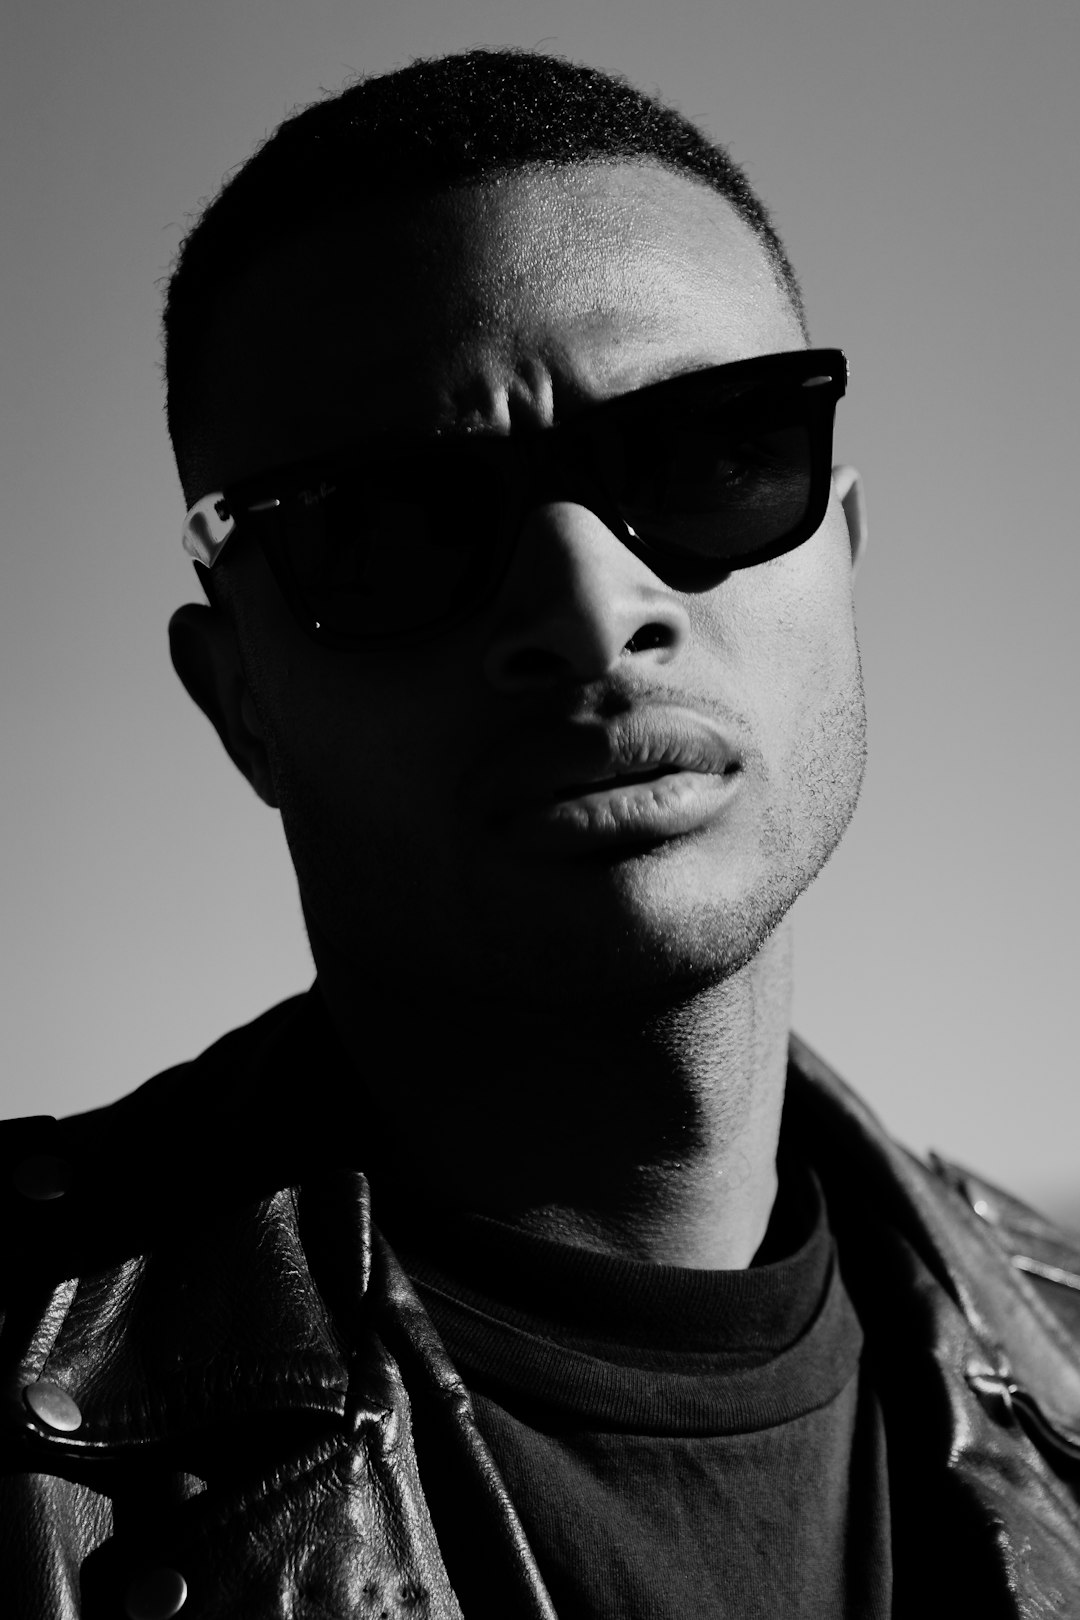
{"x": 786, "y": 631}
{"x": 356, "y": 743}
{"x": 337, "y": 719}
{"x": 368, "y": 748}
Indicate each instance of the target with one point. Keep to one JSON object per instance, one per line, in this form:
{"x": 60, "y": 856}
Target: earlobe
{"x": 849, "y": 492}
{"x": 206, "y": 657}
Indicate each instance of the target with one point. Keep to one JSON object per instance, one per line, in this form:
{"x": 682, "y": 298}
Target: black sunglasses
{"x": 697, "y": 475}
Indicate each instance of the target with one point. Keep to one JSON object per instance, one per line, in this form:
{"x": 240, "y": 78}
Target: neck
{"x": 652, "y": 1136}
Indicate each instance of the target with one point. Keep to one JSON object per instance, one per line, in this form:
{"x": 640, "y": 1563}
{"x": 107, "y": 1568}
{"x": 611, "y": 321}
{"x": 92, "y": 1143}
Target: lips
{"x": 647, "y": 776}
{"x": 616, "y": 779}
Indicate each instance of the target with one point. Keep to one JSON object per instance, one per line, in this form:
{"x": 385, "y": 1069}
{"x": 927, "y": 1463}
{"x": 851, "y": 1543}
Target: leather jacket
{"x": 222, "y": 1396}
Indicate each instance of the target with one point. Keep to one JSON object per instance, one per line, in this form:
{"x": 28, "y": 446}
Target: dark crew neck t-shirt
{"x": 676, "y": 1442}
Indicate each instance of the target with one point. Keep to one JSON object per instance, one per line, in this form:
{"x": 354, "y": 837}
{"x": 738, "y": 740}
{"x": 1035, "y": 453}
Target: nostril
{"x": 650, "y": 635}
{"x": 532, "y": 664}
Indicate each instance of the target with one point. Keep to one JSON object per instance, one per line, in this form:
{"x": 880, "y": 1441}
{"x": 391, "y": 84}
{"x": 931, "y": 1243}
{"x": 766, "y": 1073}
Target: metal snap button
{"x": 53, "y": 1406}
{"x": 42, "y": 1177}
{"x": 156, "y": 1594}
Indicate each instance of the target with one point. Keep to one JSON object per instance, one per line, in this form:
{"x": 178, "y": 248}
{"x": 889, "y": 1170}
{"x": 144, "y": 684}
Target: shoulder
{"x": 987, "y": 1241}
{"x": 963, "y": 1245}
{"x": 1046, "y": 1253}
{"x": 226, "y": 1127}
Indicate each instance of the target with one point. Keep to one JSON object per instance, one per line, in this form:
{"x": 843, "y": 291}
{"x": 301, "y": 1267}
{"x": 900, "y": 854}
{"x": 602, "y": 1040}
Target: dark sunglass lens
{"x": 368, "y": 564}
{"x": 718, "y": 489}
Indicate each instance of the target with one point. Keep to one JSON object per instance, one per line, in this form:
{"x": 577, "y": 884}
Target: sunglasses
{"x": 697, "y": 475}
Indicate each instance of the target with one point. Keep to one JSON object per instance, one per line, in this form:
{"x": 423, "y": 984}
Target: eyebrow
{"x": 629, "y": 381}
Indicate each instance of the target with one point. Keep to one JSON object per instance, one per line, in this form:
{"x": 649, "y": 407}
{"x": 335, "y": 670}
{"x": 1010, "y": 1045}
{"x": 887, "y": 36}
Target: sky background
{"x": 921, "y": 162}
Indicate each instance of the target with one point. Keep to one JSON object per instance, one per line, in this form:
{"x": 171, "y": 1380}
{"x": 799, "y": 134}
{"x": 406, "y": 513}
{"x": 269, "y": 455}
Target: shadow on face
{"x": 504, "y": 308}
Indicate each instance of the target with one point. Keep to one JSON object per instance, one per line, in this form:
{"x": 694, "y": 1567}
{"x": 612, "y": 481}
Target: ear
{"x": 206, "y": 656}
{"x": 849, "y": 492}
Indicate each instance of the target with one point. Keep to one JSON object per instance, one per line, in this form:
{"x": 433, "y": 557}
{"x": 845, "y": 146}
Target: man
{"x": 527, "y": 1265}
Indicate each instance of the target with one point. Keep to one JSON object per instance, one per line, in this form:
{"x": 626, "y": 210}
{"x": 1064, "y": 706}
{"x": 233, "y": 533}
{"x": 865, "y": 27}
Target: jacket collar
{"x": 1014, "y": 1336}
{"x": 205, "y": 1177}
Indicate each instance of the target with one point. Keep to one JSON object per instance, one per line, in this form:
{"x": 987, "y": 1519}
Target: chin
{"x": 644, "y": 937}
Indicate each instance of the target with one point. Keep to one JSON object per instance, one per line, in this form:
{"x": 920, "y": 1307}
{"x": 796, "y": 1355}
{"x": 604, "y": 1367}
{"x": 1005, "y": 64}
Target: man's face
{"x": 432, "y": 791}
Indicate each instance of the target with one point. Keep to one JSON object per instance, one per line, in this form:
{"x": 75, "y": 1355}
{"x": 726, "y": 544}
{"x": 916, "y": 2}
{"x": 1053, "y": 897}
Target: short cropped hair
{"x": 436, "y": 124}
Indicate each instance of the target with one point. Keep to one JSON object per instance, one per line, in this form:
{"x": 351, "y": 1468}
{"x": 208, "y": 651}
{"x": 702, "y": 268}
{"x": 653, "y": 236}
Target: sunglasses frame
{"x": 215, "y": 519}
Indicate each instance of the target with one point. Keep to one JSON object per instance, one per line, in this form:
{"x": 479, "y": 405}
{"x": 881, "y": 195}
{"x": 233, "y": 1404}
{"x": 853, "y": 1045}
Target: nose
{"x": 575, "y": 601}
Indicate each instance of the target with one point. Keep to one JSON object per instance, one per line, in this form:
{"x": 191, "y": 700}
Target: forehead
{"x": 536, "y": 291}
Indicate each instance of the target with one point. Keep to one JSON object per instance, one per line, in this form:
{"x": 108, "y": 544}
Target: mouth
{"x": 626, "y": 813}
{"x": 645, "y": 779}
{"x": 578, "y": 790}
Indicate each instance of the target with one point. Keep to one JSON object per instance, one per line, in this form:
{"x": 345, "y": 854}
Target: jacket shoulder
{"x": 1014, "y": 1274}
{"x": 951, "y": 1197}
{"x": 1047, "y": 1253}
{"x": 93, "y": 1188}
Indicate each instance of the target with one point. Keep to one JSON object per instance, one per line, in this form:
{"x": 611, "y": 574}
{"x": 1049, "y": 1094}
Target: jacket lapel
{"x": 953, "y": 1327}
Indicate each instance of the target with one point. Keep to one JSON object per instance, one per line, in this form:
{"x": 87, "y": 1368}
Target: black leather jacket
{"x": 224, "y": 1398}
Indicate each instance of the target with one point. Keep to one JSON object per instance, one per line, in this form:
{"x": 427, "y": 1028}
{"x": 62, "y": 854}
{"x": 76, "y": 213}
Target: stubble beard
{"x": 380, "y": 903}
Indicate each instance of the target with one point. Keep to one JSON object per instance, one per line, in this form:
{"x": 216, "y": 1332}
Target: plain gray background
{"x": 920, "y": 160}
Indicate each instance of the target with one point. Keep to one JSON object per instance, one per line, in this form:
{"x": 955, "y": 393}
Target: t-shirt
{"x": 676, "y": 1442}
